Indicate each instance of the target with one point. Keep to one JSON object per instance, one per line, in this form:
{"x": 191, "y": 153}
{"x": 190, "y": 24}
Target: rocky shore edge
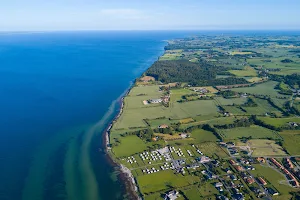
{"x": 125, "y": 174}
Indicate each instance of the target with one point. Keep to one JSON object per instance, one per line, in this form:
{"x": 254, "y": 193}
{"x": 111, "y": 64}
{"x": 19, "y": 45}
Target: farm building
{"x": 155, "y": 100}
{"x": 163, "y": 126}
{"x": 172, "y": 195}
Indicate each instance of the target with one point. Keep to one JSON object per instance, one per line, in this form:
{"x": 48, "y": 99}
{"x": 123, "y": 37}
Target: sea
{"x": 58, "y": 93}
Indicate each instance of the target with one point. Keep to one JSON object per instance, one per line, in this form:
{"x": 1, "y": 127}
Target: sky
{"x": 53, "y": 15}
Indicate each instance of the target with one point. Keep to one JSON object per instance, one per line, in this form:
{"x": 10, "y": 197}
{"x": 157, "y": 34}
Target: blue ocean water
{"x": 54, "y": 88}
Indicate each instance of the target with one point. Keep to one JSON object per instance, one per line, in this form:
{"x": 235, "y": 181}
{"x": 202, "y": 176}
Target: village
{"x": 233, "y": 178}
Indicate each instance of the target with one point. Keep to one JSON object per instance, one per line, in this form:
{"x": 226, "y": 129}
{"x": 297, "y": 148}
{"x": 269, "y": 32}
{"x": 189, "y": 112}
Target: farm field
{"x": 255, "y": 132}
{"x": 152, "y": 90}
{"x": 212, "y": 121}
{"x": 131, "y": 118}
{"x": 263, "y": 106}
{"x": 235, "y": 110}
{"x": 278, "y": 122}
{"x": 230, "y": 101}
{"x": 164, "y": 180}
{"x": 291, "y": 141}
{"x": 129, "y": 145}
{"x": 192, "y": 109}
{"x": 201, "y": 135}
{"x": 266, "y": 88}
{"x": 253, "y": 79}
{"x": 265, "y": 148}
{"x": 246, "y": 72}
{"x": 211, "y": 149}
{"x": 192, "y": 193}
{"x": 176, "y": 94}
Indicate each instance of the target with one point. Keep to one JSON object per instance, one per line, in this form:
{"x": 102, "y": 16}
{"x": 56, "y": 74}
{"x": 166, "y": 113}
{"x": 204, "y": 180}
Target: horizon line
{"x": 119, "y": 30}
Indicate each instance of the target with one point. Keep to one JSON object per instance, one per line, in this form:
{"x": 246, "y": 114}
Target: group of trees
{"x": 145, "y": 134}
{"x": 291, "y": 80}
{"x": 180, "y": 71}
{"x": 228, "y": 94}
{"x": 250, "y": 102}
{"x": 196, "y": 74}
{"x": 243, "y": 122}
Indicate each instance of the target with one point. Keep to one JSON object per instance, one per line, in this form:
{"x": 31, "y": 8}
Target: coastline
{"x": 125, "y": 176}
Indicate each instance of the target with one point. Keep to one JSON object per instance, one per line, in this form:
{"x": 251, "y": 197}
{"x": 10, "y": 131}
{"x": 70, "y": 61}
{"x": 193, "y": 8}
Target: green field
{"x": 210, "y": 149}
{"x": 201, "y": 135}
{"x": 255, "y": 132}
{"x": 263, "y": 106}
{"x": 247, "y": 71}
{"x": 285, "y": 68}
{"x": 278, "y": 122}
{"x": 235, "y": 110}
{"x": 212, "y": 121}
{"x": 192, "y": 193}
{"x": 266, "y": 88}
{"x": 152, "y": 90}
{"x": 291, "y": 141}
{"x": 192, "y": 109}
{"x": 230, "y": 101}
{"x": 129, "y": 145}
{"x": 176, "y": 94}
{"x": 164, "y": 180}
{"x": 262, "y": 147}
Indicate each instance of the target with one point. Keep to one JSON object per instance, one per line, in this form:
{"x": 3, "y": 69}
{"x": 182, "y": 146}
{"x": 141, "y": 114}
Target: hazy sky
{"x": 39, "y": 15}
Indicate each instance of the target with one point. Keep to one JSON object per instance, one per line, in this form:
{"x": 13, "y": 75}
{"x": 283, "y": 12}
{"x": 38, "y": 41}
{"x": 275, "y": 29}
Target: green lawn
{"x": 201, "y": 135}
{"x": 278, "y": 122}
{"x": 263, "y": 106}
{"x": 192, "y": 193}
{"x": 163, "y": 180}
{"x": 291, "y": 141}
{"x": 176, "y": 94}
{"x": 266, "y": 88}
{"x": 247, "y": 71}
{"x": 211, "y": 120}
{"x": 148, "y": 90}
{"x": 210, "y": 149}
{"x": 208, "y": 190}
{"x": 129, "y": 145}
{"x": 235, "y": 110}
{"x": 262, "y": 147}
{"x": 255, "y": 132}
{"x": 230, "y": 101}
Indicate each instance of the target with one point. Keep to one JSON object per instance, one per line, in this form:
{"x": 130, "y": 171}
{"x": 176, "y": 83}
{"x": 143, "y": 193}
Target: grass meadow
{"x": 278, "y": 122}
{"x": 164, "y": 180}
{"x": 129, "y": 145}
{"x": 201, "y": 135}
{"x": 291, "y": 141}
{"x": 266, "y": 88}
{"x": 230, "y": 101}
{"x": 256, "y": 132}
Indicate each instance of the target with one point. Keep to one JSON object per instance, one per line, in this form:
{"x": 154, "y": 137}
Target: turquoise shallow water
{"x": 55, "y": 87}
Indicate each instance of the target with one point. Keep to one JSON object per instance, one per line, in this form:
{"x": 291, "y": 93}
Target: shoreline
{"x": 125, "y": 175}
